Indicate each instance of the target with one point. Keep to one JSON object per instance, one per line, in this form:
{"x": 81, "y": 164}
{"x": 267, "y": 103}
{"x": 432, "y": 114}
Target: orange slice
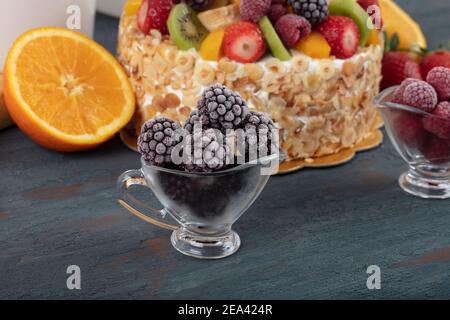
{"x": 65, "y": 91}
{"x": 397, "y": 20}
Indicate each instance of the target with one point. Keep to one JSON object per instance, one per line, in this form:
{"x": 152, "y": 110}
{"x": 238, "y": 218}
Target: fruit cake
{"x": 313, "y": 65}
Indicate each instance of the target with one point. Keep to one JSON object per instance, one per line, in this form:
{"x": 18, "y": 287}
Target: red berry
{"x": 420, "y": 95}
{"x": 243, "y": 42}
{"x": 439, "y": 123}
{"x": 439, "y": 78}
{"x": 396, "y": 67}
{"x": 153, "y": 14}
{"x": 398, "y": 94}
{"x": 342, "y": 35}
{"x": 409, "y": 129}
{"x": 436, "y": 59}
{"x": 276, "y": 12}
{"x": 436, "y": 151}
{"x": 291, "y": 28}
{"x": 254, "y": 10}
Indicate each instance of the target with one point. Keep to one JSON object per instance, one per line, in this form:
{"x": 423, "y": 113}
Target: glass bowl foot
{"x": 205, "y": 247}
{"x": 425, "y": 187}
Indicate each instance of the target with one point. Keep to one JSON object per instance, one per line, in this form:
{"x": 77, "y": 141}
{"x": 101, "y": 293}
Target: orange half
{"x": 66, "y": 91}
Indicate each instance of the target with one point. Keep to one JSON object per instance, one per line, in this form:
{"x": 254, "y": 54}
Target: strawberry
{"x": 440, "y": 58}
{"x": 365, "y": 4}
{"x": 153, "y": 14}
{"x": 398, "y": 66}
{"x": 342, "y": 34}
{"x": 243, "y": 42}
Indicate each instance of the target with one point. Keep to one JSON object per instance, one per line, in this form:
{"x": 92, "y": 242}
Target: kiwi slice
{"x": 184, "y": 27}
{"x": 273, "y": 40}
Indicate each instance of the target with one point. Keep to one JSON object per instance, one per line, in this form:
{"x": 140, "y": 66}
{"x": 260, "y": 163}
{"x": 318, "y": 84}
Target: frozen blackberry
{"x": 156, "y": 141}
{"x": 197, "y": 5}
{"x": 195, "y": 121}
{"x": 205, "y": 151}
{"x": 315, "y": 11}
{"x": 261, "y": 136}
{"x": 223, "y": 109}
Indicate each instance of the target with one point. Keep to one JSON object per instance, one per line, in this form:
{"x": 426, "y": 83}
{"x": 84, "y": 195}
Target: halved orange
{"x": 66, "y": 91}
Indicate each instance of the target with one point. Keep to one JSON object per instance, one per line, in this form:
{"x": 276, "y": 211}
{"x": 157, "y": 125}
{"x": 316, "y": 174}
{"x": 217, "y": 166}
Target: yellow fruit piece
{"x": 374, "y": 38}
{"x": 65, "y": 91}
{"x": 211, "y": 47}
{"x": 314, "y": 45}
{"x": 397, "y": 20}
{"x": 132, "y": 7}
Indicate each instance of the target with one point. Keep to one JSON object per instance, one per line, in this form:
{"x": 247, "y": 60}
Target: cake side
{"x": 321, "y": 105}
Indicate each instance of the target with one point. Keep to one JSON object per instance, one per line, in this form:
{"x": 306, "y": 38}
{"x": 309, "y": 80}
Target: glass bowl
{"x": 423, "y": 141}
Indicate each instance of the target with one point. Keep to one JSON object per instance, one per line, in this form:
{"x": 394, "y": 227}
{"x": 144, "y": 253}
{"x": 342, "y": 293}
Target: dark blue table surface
{"x": 311, "y": 235}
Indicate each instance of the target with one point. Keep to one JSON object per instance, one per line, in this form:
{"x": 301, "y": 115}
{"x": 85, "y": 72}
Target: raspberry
{"x": 222, "y": 108}
{"x": 439, "y": 78}
{"x": 291, "y": 28}
{"x": 315, "y": 11}
{"x": 156, "y": 141}
{"x": 206, "y": 151}
{"x": 439, "y": 123}
{"x": 436, "y": 151}
{"x": 254, "y": 10}
{"x": 261, "y": 136}
{"x": 276, "y": 12}
{"x": 409, "y": 129}
{"x": 197, "y": 5}
{"x": 420, "y": 95}
{"x": 398, "y": 94}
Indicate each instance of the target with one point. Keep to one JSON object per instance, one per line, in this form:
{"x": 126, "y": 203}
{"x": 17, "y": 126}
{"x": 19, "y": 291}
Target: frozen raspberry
{"x": 254, "y": 10}
{"x": 261, "y": 136}
{"x": 222, "y": 108}
{"x": 420, "y": 95}
{"x": 398, "y": 94}
{"x": 276, "y": 12}
{"x": 315, "y": 11}
{"x": 197, "y": 5}
{"x": 439, "y": 123}
{"x": 156, "y": 141}
{"x": 206, "y": 151}
{"x": 436, "y": 151}
{"x": 439, "y": 78}
{"x": 291, "y": 28}
{"x": 409, "y": 129}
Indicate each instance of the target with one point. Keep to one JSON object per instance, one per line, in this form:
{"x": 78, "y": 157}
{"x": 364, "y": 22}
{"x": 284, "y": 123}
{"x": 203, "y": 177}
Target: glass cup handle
{"x": 136, "y": 207}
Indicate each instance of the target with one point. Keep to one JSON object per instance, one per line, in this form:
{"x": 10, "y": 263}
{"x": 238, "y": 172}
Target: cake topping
{"x": 153, "y": 14}
{"x": 315, "y": 11}
{"x": 292, "y": 28}
{"x": 254, "y": 10}
{"x": 342, "y": 34}
{"x": 197, "y": 4}
{"x": 156, "y": 141}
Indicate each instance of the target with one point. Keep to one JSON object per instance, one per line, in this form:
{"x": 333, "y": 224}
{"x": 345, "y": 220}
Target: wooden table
{"x": 311, "y": 234}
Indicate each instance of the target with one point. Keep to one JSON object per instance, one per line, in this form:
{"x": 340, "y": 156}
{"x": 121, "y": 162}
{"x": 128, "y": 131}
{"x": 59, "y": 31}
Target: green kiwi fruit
{"x": 184, "y": 27}
{"x": 273, "y": 40}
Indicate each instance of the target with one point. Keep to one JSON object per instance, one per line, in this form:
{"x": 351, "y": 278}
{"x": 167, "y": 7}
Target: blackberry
{"x": 222, "y": 108}
{"x": 156, "y": 141}
{"x": 197, "y": 5}
{"x": 261, "y": 136}
{"x": 315, "y": 11}
{"x": 205, "y": 151}
{"x": 195, "y": 120}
